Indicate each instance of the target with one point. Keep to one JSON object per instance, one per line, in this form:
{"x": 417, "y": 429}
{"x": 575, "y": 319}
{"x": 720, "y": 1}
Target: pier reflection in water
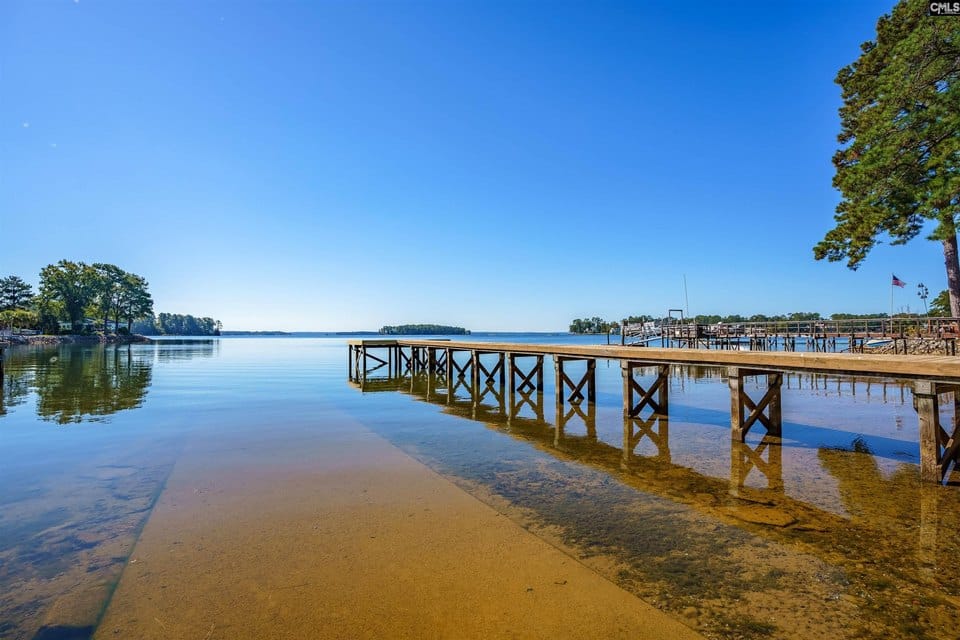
{"x": 71, "y": 503}
{"x": 852, "y": 545}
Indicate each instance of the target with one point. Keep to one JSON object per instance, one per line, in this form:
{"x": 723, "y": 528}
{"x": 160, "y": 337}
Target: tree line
{"x": 592, "y": 325}
{"x": 423, "y": 330}
{"x": 71, "y": 292}
{"x": 175, "y": 324}
{"x": 939, "y": 308}
{"x": 898, "y": 165}
{"x": 85, "y": 295}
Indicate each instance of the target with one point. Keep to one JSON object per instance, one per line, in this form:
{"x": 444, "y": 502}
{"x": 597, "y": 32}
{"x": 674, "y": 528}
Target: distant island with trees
{"x": 422, "y": 330}
{"x": 76, "y": 298}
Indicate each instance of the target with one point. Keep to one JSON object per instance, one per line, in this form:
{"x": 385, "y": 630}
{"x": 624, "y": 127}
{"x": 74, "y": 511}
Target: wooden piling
{"x": 928, "y": 411}
{"x": 744, "y": 412}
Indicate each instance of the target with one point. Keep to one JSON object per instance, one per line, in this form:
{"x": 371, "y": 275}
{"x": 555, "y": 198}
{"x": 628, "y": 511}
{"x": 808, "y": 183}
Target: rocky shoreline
{"x": 916, "y": 346}
{"x": 71, "y": 339}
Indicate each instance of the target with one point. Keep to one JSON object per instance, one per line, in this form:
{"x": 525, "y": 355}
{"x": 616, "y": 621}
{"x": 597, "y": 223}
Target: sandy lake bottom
{"x": 242, "y": 488}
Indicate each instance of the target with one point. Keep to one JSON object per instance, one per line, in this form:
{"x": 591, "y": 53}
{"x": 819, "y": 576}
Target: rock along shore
{"x": 915, "y": 346}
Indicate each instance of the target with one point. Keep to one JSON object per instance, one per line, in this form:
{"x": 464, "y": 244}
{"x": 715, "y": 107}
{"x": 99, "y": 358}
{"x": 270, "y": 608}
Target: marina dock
{"x": 518, "y": 369}
{"x": 852, "y": 334}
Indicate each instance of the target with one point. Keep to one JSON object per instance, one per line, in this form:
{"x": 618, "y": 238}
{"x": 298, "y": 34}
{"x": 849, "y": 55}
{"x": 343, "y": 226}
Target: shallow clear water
{"x": 829, "y": 532}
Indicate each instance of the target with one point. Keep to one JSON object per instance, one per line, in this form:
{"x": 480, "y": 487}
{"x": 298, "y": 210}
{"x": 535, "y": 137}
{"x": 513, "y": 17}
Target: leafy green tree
{"x": 107, "y": 286}
{"x": 18, "y": 319}
{"x": 118, "y": 294}
{"x": 73, "y": 284}
{"x": 146, "y": 326}
{"x": 592, "y": 325}
{"x": 134, "y": 301}
{"x": 209, "y": 327}
{"x": 898, "y": 167}
{"x": 174, "y": 324}
{"x": 50, "y": 312}
{"x": 856, "y": 316}
{"x": 940, "y": 306}
{"x": 14, "y": 293}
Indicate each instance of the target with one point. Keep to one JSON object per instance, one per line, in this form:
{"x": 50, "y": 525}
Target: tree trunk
{"x": 953, "y": 273}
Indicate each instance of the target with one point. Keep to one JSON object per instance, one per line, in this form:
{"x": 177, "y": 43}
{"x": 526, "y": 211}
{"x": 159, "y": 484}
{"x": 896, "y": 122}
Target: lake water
{"x": 830, "y": 533}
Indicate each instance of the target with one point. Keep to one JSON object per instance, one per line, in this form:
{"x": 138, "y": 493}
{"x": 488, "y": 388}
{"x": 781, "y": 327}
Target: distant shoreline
{"x": 18, "y": 340}
{"x": 293, "y": 333}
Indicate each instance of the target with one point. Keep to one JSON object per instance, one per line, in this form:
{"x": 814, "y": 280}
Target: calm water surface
{"x": 830, "y": 533}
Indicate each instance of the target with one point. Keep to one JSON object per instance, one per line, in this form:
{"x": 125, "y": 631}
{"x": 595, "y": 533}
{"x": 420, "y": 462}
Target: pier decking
{"x": 491, "y": 364}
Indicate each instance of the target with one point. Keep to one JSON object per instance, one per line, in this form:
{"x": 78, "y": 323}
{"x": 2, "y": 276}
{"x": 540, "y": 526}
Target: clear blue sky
{"x": 496, "y": 165}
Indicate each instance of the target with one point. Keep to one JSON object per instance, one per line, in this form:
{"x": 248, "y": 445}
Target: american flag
{"x": 897, "y": 282}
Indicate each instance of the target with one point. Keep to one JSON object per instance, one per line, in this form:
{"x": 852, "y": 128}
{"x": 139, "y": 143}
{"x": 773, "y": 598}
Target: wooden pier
{"x": 791, "y": 335}
{"x": 487, "y": 366}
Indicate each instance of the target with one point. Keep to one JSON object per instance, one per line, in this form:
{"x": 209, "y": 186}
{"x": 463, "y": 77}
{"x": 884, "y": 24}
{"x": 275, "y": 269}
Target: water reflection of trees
{"x": 15, "y": 388}
{"x": 185, "y": 349}
{"x": 87, "y": 383}
{"x": 90, "y": 383}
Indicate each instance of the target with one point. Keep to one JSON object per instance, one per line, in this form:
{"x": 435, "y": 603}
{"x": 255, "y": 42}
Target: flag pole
{"x": 891, "y": 298}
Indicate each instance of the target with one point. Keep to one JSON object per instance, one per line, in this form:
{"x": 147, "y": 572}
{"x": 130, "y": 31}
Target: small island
{"x": 422, "y": 330}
